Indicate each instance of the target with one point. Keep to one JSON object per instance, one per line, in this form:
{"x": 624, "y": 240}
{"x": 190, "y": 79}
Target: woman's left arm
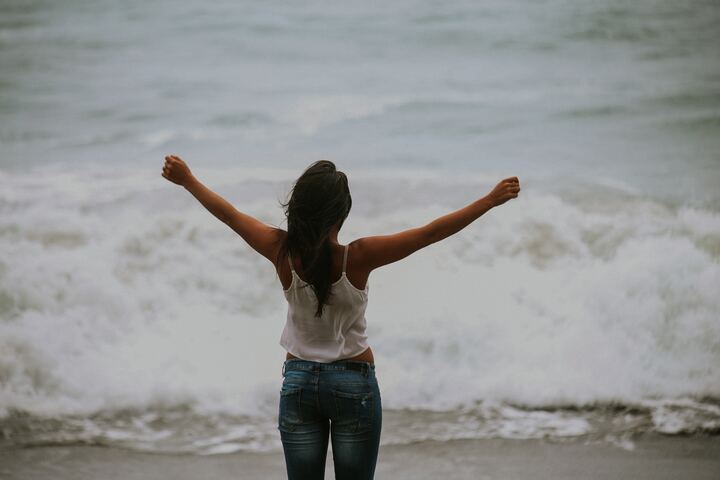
{"x": 263, "y": 238}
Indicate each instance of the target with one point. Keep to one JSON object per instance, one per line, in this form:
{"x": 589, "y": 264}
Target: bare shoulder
{"x": 278, "y": 240}
{"x": 358, "y": 268}
{"x": 355, "y": 251}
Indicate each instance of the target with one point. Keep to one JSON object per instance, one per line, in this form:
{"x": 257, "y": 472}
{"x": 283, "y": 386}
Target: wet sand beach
{"x": 652, "y": 457}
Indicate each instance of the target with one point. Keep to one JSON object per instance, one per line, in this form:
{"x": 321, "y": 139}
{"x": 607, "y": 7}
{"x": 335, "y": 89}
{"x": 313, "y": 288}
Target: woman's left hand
{"x": 176, "y": 170}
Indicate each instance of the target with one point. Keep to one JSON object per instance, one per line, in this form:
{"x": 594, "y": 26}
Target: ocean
{"x": 587, "y": 308}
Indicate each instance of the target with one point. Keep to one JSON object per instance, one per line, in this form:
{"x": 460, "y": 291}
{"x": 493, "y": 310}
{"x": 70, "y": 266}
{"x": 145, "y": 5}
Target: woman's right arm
{"x": 376, "y": 251}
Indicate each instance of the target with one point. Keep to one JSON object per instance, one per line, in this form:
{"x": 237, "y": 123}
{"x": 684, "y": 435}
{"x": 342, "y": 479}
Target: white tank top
{"x": 339, "y": 333}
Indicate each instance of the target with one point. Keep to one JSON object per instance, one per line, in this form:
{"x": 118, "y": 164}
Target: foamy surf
{"x": 184, "y": 430}
{"x": 130, "y": 316}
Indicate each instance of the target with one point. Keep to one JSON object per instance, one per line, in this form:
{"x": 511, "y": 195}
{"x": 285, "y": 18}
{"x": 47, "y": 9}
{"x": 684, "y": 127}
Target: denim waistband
{"x": 309, "y": 365}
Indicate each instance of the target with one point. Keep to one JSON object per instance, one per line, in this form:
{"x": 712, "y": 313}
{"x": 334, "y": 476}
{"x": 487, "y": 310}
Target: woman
{"x": 329, "y": 386}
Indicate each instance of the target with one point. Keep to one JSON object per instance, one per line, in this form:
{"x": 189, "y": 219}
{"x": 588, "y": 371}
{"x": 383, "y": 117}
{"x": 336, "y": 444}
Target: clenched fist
{"x": 176, "y": 170}
{"x": 505, "y": 190}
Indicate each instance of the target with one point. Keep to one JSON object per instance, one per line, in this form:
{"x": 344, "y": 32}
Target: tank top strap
{"x": 292, "y": 269}
{"x": 345, "y": 259}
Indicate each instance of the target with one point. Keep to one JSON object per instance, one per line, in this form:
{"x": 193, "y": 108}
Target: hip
{"x": 345, "y": 391}
{"x": 365, "y": 356}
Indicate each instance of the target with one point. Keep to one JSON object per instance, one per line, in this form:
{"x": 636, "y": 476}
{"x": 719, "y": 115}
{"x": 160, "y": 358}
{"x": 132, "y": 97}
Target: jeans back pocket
{"x": 353, "y": 411}
{"x": 289, "y": 416}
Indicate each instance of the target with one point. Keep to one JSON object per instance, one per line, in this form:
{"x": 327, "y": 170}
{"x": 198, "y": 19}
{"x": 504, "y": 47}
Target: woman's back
{"x": 339, "y": 333}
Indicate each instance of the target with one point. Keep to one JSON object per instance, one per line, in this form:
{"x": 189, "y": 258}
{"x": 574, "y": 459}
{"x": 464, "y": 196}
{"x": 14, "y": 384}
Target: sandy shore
{"x": 653, "y": 457}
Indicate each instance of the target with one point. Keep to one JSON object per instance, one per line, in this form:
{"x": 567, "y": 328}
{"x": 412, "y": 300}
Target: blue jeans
{"x": 341, "y": 399}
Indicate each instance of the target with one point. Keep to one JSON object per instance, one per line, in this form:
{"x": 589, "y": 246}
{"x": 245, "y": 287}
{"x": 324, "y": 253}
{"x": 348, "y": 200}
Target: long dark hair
{"x": 319, "y": 199}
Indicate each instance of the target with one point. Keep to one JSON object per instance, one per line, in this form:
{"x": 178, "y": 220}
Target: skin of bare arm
{"x": 263, "y": 238}
{"x": 373, "y": 252}
{"x": 381, "y": 250}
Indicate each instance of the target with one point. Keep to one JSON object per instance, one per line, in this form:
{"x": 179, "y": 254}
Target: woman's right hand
{"x": 505, "y": 190}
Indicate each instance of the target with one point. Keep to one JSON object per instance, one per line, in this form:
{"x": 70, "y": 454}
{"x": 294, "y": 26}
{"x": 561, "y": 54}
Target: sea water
{"x": 586, "y": 308}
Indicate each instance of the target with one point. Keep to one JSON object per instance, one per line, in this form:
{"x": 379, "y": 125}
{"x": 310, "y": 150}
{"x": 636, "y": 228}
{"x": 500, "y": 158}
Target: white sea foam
{"x": 310, "y": 113}
{"x": 118, "y": 292}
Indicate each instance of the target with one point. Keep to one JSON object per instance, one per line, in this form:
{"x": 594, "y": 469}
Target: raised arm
{"x": 376, "y": 251}
{"x": 263, "y": 238}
